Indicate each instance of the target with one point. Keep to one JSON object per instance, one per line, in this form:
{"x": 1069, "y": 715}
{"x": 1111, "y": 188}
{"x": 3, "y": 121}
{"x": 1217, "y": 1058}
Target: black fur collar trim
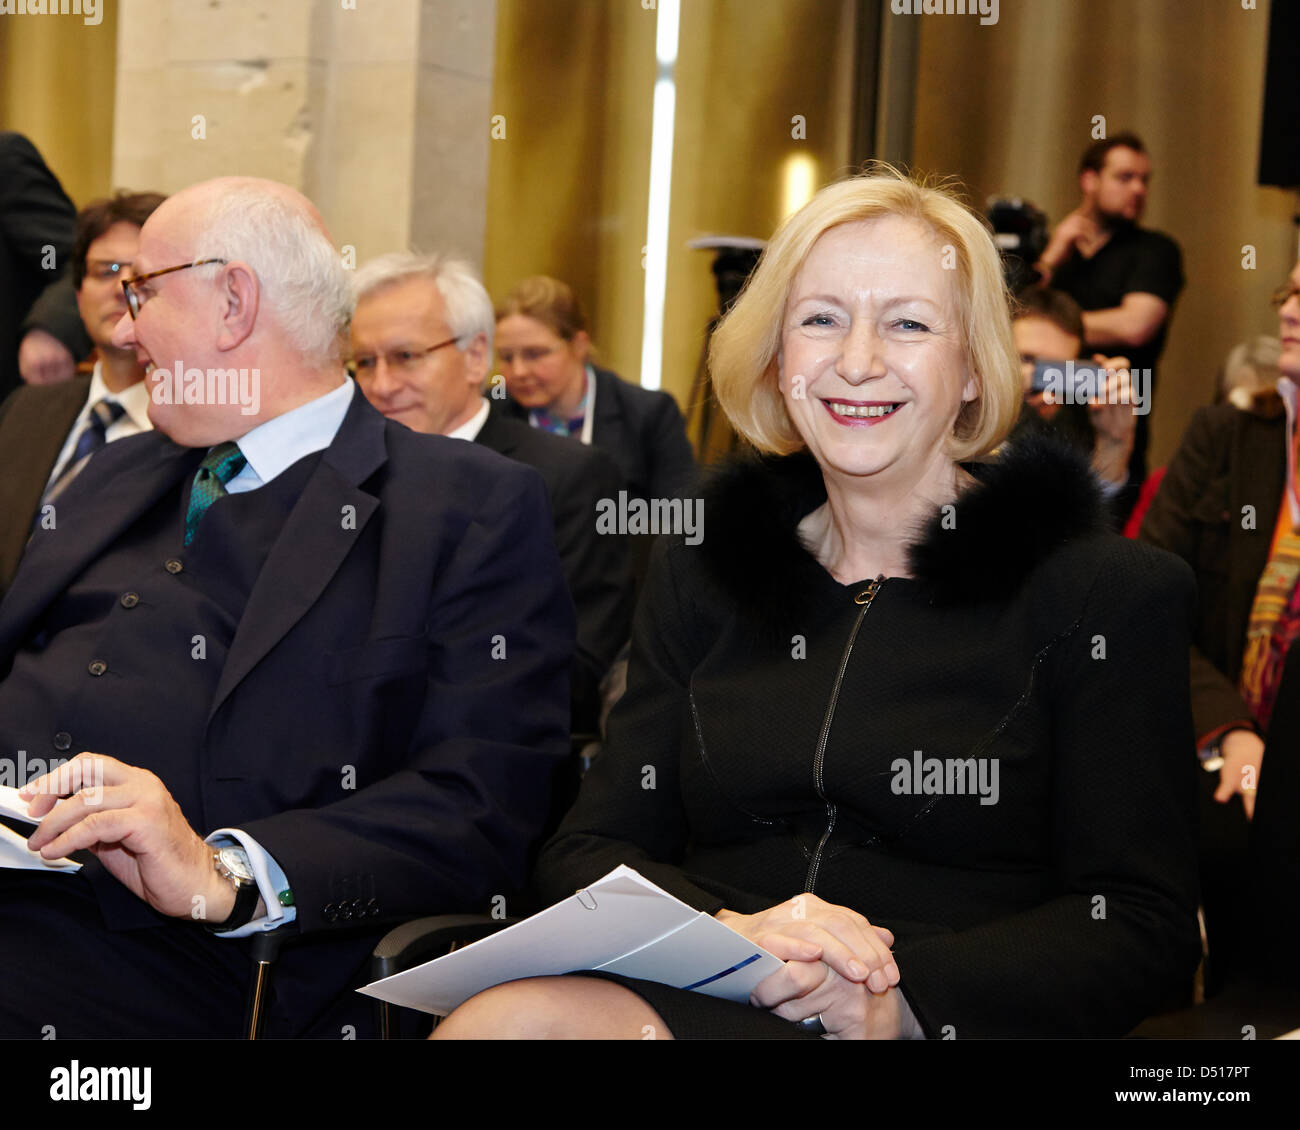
{"x": 1036, "y": 496}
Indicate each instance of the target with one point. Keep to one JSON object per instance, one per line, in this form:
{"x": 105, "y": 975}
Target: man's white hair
{"x": 466, "y": 303}
{"x": 301, "y": 277}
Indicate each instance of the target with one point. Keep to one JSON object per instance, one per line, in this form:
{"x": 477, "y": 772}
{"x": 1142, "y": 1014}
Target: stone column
{"x": 379, "y": 110}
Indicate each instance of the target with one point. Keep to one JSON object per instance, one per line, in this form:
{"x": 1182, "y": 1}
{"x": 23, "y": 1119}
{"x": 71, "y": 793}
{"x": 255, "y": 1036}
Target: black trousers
{"x": 1225, "y": 879}
{"x": 65, "y": 975}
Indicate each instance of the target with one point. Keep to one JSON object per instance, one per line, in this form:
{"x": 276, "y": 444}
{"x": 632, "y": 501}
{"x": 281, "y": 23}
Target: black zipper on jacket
{"x": 864, "y": 599}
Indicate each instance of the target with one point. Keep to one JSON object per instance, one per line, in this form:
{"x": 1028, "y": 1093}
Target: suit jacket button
{"x": 97, "y": 667}
{"x": 129, "y": 599}
{"x": 372, "y": 908}
{"x": 173, "y": 566}
{"x": 62, "y": 740}
{"x": 329, "y": 913}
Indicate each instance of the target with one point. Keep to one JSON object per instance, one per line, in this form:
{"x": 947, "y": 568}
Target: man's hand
{"x": 1113, "y": 420}
{"x": 44, "y": 360}
{"x": 126, "y": 816}
{"x": 1076, "y": 232}
{"x": 1243, "y": 753}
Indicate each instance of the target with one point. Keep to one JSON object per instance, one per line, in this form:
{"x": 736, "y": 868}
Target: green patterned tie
{"x": 219, "y": 466}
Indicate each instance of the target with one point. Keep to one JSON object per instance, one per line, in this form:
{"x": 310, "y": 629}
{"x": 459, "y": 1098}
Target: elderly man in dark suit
{"x": 49, "y": 432}
{"x": 421, "y": 347}
{"x": 306, "y": 687}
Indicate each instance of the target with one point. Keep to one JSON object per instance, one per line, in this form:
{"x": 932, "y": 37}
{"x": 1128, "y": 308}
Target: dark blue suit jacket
{"x": 411, "y": 622}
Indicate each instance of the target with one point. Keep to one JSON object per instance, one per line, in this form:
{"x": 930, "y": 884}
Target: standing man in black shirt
{"x": 1124, "y": 277}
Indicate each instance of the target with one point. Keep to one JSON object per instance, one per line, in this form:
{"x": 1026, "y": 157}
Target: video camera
{"x": 1020, "y": 231}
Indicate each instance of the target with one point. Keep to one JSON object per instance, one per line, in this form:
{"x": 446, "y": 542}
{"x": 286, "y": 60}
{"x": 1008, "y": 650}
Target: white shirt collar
{"x": 470, "y": 428}
{"x": 135, "y": 400}
{"x": 275, "y": 446}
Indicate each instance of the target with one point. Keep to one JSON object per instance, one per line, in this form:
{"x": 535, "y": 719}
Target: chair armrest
{"x": 420, "y": 940}
{"x": 265, "y": 946}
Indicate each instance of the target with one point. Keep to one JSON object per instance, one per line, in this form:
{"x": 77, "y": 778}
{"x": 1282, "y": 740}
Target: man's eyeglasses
{"x": 1283, "y": 294}
{"x": 401, "y": 360}
{"x": 134, "y": 298}
{"x": 105, "y": 270}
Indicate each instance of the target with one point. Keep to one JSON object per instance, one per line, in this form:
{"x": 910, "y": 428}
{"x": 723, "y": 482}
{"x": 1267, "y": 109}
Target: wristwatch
{"x": 1212, "y": 754}
{"x": 232, "y": 865}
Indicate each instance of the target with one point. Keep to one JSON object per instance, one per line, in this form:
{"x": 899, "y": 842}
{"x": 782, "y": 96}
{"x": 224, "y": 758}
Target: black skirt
{"x": 694, "y": 1016}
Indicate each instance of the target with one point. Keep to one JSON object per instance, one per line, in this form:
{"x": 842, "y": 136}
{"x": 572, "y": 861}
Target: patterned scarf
{"x": 1274, "y": 620}
{"x": 565, "y": 425}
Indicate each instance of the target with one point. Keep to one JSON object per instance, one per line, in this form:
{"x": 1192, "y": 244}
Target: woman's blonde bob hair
{"x": 744, "y": 352}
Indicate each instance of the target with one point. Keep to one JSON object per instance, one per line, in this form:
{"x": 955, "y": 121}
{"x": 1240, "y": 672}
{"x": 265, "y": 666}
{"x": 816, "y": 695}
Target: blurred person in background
{"x": 49, "y": 432}
{"x": 1048, "y": 326}
{"x": 36, "y": 232}
{"x": 545, "y": 354}
{"x": 1229, "y": 505}
{"x": 1125, "y": 277}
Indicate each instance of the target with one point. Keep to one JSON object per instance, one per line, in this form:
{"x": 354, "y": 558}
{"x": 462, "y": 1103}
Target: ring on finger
{"x": 812, "y": 1025}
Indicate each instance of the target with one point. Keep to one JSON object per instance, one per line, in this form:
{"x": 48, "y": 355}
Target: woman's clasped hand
{"x": 838, "y": 967}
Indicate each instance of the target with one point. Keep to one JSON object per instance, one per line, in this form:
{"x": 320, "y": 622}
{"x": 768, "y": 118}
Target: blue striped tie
{"x": 103, "y": 415}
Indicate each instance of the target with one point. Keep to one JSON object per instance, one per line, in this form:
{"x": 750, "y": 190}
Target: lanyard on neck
{"x": 589, "y": 407}
{"x": 1287, "y": 390}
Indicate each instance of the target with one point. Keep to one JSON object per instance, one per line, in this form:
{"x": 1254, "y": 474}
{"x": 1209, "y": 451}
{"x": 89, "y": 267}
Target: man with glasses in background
{"x": 405, "y": 301}
{"x": 49, "y": 432}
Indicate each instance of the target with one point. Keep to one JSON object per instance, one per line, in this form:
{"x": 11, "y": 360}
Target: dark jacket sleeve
{"x": 597, "y": 566}
{"x": 630, "y": 808}
{"x": 1119, "y": 934}
{"x": 37, "y": 224}
{"x": 35, "y": 212}
{"x": 454, "y": 822}
{"x": 672, "y": 468}
{"x": 56, "y": 312}
{"x": 1170, "y": 523}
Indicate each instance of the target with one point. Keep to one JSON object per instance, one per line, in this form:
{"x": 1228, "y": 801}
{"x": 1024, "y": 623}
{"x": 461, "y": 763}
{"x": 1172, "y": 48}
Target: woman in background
{"x": 544, "y": 350}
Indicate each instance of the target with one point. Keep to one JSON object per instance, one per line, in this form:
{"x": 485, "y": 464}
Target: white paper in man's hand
{"x": 14, "y": 852}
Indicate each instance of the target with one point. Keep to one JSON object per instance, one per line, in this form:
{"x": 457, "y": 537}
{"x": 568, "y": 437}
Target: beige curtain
{"x": 57, "y": 87}
{"x": 1010, "y": 108}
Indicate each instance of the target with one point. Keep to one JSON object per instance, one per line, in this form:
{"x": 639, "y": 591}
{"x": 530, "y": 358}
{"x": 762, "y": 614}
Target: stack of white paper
{"x": 622, "y": 923}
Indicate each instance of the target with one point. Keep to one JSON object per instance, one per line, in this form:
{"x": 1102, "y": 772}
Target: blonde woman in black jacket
{"x": 919, "y": 725}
